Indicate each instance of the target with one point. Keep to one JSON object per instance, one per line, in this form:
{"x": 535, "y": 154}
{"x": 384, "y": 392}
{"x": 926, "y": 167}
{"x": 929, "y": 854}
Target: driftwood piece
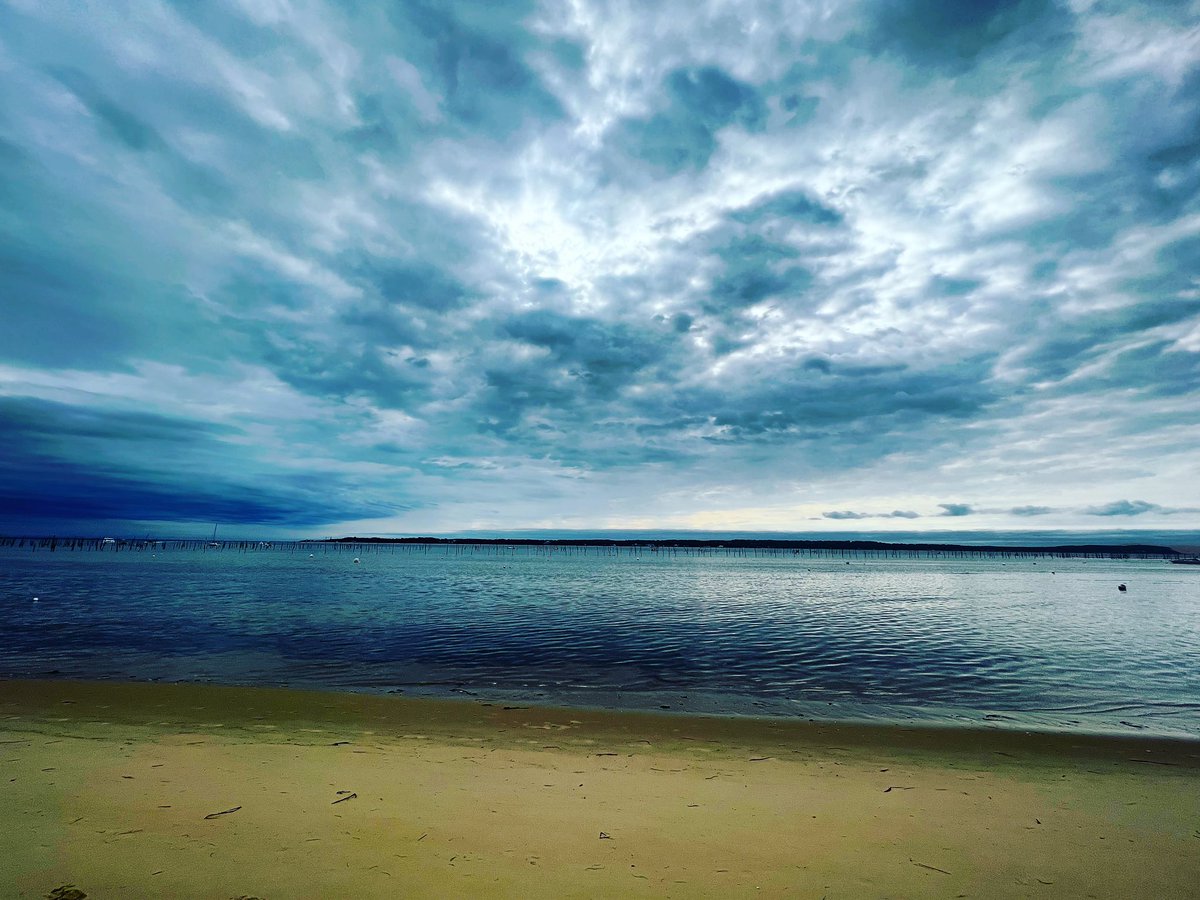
{"x": 930, "y": 868}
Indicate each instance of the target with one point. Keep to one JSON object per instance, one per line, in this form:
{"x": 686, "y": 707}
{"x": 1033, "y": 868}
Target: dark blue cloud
{"x": 418, "y": 285}
{"x": 45, "y": 323}
{"x": 698, "y": 103}
{"x": 803, "y": 403}
{"x": 847, "y": 514}
{"x": 755, "y": 270}
{"x": 475, "y": 58}
{"x": 1026, "y": 511}
{"x": 954, "y": 35}
{"x": 711, "y": 96}
{"x": 1123, "y": 508}
{"x": 682, "y": 322}
{"x": 121, "y": 123}
{"x": 392, "y": 381}
{"x": 27, "y": 419}
{"x": 1062, "y": 350}
{"x": 593, "y": 358}
{"x": 956, "y": 509}
{"x": 941, "y": 286}
{"x": 67, "y": 463}
{"x": 792, "y": 205}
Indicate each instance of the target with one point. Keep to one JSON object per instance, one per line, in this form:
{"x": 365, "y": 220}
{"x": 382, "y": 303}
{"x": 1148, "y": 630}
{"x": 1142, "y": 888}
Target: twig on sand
{"x": 349, "y": 796}
{"x": 899, "y": 787}
{"x": 223, "y": 812}
{"x": 760, "y": 758}
{"x": 931, "y": 868}
{"x": 1153, "y": 762}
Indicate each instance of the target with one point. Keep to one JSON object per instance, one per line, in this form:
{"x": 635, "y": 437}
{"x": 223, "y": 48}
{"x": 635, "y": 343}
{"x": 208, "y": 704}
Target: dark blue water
{"x": 1049, "y": 644}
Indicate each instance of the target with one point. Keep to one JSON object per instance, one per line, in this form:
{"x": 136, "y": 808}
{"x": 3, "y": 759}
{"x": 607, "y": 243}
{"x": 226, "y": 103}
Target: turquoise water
{"x": 1048, "y": 644}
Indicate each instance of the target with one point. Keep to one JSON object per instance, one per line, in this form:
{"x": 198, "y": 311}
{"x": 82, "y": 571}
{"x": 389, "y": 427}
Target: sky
{"x": 308, "y": 268}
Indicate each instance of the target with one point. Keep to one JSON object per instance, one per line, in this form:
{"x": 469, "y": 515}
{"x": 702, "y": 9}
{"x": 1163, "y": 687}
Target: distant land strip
{"x": 674, "y": 546}
{"x": 1151, "y": 550}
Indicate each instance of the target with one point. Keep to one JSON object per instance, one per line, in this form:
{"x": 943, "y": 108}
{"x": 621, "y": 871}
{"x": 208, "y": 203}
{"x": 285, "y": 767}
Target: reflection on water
{"x": 1013, "y": 643}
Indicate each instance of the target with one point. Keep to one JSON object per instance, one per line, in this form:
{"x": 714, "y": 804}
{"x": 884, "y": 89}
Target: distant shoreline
{"x": 730, "y": 546}
{"x": 1146, "y": 550}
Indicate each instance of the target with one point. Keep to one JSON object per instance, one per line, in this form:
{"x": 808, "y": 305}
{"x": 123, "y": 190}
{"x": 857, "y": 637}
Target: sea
{"x": 957, "y": 640}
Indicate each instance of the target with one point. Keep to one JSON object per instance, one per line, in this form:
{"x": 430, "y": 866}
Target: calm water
{"x": 1007, "y": 643}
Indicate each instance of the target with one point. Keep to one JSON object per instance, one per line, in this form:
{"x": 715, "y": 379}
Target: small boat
{"x": 1186, "y": 561}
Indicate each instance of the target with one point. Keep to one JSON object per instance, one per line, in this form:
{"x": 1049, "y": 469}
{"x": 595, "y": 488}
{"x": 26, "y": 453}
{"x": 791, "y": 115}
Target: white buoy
{"x": 35, "y": 599}
{"x": 357, "y": 560}
{"x": 310, "y": 556}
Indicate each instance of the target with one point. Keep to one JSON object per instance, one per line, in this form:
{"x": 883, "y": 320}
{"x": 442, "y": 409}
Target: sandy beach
{"x": 124, "y": 790}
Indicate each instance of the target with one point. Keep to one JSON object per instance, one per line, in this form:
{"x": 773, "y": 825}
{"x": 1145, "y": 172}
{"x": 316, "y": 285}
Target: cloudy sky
{"x": 422, "y": 266}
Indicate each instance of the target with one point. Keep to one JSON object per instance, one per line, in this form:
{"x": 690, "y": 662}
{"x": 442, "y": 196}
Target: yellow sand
{"x": 110, "y": 788}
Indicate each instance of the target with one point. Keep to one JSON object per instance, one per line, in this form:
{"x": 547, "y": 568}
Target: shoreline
{"x": 673, "y": 705}
{"x": 321, "y": 705}
{"x": 129, "y": 789}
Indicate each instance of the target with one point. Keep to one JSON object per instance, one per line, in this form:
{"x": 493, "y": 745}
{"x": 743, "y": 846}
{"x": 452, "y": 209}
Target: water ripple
{"x": 1007, "y": 644}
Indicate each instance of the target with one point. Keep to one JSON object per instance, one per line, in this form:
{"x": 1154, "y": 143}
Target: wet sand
{"x": 196, "y": 791}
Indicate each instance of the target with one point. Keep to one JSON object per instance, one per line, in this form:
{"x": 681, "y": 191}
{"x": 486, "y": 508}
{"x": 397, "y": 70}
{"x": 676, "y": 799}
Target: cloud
{"x": 1137, "y": 508}
{"x": 64, "y": 462}
{"x": 121, "y": 123}
{"x": 1123, "y": 508}
{"x": 954, "y": 36}
{"x": 956, "y": 509}
{"x": 698, "y": 103}
{"x": 895, "y": 514}
{"x": 788, "y": 205}
{"x": 1026, "y": 511}
{"x": 602, "y": 258}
